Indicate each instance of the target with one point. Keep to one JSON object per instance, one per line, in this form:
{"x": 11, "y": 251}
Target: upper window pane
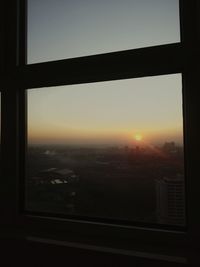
{"x": 72, "y": 28}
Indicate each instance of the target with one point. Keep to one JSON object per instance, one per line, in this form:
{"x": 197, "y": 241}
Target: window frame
{"x": 142, "y": 62}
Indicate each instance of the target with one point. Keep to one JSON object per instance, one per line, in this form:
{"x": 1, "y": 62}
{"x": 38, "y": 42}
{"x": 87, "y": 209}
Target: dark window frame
{"x": 16, "y": 77}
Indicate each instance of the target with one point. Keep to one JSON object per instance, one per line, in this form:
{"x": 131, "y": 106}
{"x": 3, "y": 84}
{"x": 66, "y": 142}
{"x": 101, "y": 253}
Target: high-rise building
{"x": 171, "y": 200}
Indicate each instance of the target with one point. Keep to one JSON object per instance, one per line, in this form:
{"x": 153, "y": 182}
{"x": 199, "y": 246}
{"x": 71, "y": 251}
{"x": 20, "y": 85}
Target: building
{"x": 171, "y": 200}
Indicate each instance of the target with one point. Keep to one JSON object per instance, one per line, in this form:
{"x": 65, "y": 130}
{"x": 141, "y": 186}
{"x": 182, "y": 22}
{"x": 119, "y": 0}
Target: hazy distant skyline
{"x": 108, "y": 112}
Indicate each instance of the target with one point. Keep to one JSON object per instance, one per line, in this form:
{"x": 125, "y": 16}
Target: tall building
{"x": 171, "y": 200}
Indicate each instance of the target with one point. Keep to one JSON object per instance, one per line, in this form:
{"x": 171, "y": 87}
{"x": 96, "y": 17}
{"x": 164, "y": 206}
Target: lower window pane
{"x": 110, "y": 150}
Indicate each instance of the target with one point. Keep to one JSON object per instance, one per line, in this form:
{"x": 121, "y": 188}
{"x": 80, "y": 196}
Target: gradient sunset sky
{"x": 106, "y": 112}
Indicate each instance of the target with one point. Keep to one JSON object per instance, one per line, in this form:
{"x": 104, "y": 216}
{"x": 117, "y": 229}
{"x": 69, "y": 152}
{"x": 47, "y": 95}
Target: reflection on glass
{"x": 109, "y": 149}
{"x": 67, "y": 28}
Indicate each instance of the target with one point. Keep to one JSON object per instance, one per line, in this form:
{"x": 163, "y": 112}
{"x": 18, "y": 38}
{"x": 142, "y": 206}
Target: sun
{"x": 138, "y": 137}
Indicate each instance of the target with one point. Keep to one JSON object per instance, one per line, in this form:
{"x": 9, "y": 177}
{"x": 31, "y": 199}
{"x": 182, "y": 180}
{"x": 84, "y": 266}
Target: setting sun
{"x": 138, "y": 137}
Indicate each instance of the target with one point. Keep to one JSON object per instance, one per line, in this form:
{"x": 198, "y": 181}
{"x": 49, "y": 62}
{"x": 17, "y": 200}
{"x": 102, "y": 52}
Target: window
{"x": 99, "y": 149}
{"x": 172, "y": 58}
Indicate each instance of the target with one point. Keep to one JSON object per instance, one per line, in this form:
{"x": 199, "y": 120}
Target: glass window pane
{"x": 72, "y": 28}
{"x": 108, "y": 150}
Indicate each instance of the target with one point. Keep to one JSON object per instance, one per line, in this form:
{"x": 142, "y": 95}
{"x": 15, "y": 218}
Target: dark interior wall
{"x": 24, "y": 253}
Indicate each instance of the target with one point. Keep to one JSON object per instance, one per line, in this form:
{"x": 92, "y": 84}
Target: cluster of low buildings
{"x": 54, "y": 176}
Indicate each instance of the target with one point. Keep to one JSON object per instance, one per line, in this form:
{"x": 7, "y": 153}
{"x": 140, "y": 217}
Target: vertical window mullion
{"x": 10, "y": 120}
{"x": 190, "y": 35}
{"x": 9, "y": 155}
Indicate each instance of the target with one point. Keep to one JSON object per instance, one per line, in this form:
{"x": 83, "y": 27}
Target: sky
{"x": 112, "y": 112}
{"x": 59, "y": 29}
{"x": 105, "y": 112}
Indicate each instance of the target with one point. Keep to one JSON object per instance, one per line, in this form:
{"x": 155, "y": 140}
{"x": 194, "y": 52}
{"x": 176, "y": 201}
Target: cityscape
{"x": 134, "y": 183}
{"x": 101, "y": 174}
{"x": 108, "y": 150}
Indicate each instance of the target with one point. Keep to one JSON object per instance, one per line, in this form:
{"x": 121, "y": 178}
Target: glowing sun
{"x": 138, "y": 137}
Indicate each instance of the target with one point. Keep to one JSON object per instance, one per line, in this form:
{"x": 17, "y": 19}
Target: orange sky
{"x": 107, "y": 112}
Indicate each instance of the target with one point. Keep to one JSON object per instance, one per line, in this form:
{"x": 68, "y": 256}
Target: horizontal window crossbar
{"x": 151, "y": 61}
